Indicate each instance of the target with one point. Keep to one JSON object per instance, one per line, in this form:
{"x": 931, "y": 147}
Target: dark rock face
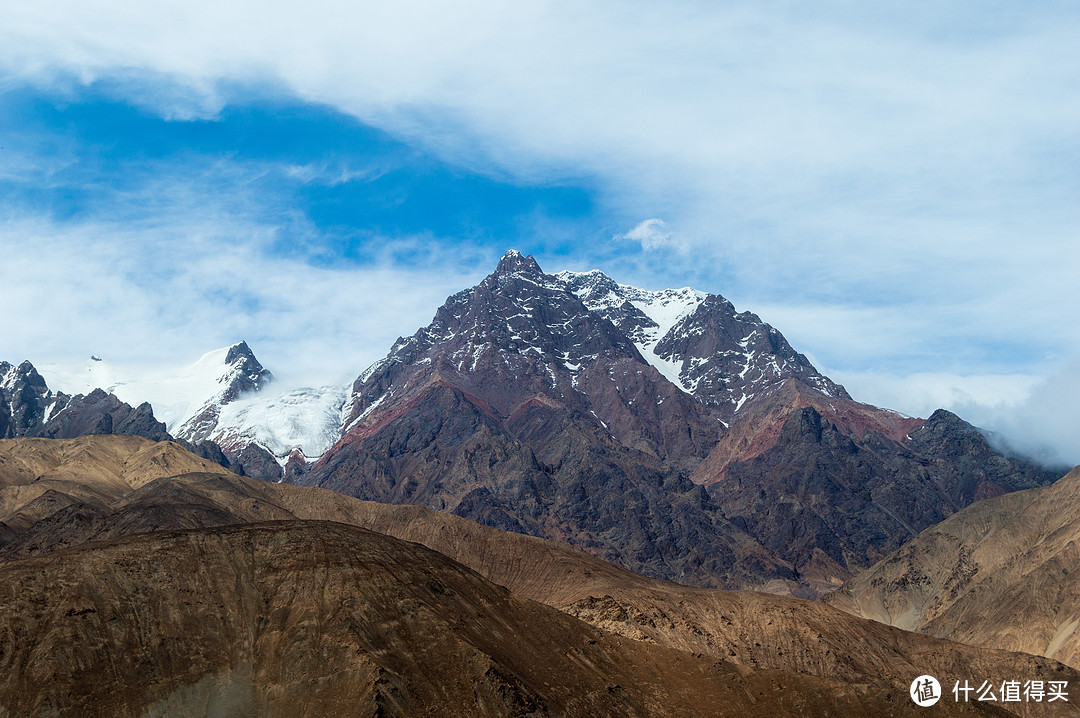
{"x": 101, "y": 413}
{"x": 547, "y": 473}
{"x": 29, "y": 408}
{"x": 24, "y": 399}
{"x": 859, "y": 498}
{"x": 207, "y": 450}
{"x": 970, "y": 469}
{"x": 296, "y": 466}
{"x": 255, "y": 461}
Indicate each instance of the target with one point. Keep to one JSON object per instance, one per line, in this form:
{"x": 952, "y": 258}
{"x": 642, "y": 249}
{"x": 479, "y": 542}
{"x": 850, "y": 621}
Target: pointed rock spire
{"x": 513, "y": 262}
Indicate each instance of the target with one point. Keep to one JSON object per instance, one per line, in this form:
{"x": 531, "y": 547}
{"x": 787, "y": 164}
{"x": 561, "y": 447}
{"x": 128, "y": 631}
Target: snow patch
{"x": 304, "y": 419}
{"x": 666, "y": 308}
{"x": 364, "y": 414}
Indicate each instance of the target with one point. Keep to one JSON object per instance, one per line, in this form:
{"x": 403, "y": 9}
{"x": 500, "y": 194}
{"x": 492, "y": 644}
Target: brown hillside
{"x": 319, "y": 619}
{"x": 1002, "y": 573}
{"x": 754, "y": 630}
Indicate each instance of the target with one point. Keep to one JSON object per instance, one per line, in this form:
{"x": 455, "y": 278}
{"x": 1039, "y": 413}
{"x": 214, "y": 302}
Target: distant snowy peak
{"x": 179, "y": 395}
{"x": 226, "y": 396}
{"x": 225, "y": 374}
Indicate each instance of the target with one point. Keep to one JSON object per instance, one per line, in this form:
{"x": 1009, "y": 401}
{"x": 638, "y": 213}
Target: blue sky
{"x": 894, "y": 188}
{"x": 348, "y": 184}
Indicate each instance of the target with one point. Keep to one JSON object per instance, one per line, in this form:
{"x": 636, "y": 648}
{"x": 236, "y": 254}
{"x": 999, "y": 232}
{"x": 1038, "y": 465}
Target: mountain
{"x": 29, "y": 408}
{"x": 1001, "y": 573}
{"x": 228, "y": 398}
{"x": 189, "y": 400}
{"x": 833, "y": 502}
{"x": 260, "y": 596}
{"x": 661, "y": 430}
{"x": 242, "y": 373}
{"x": 521, "y": 408}
{"x": 313, "y": 618}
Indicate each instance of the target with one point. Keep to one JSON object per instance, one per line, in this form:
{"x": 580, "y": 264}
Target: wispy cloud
{"x": 1033, "y": 415}
{"x": 651, "y": 234}
{"x": 331, "y": 176}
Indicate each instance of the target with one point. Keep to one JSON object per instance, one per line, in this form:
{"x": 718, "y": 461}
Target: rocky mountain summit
{"x": 662, "y": 430}
{"x": 242, "y": 373}
{"x": 699, "y": 342}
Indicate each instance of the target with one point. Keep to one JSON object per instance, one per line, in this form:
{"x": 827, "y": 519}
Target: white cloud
{"x": 921, "y": 393}
{"x": 332, "y": 175}
{"x": 201, "y": 275}
{"x": 651, "y": 234}
{"x": 1045, "y": 424}
{"x": 843, "y": 147}
{"x": 877, "y": 183}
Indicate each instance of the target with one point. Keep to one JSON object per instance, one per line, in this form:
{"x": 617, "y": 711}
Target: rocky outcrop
{"x": 255, "y": 461}
{"x": 831, "y": 502}
{"x": 25, "y": 400}
{"x": 100, "y": 413}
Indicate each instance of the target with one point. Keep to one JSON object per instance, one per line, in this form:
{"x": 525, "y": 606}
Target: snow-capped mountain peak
{"x": 225, "y": 396}
{"x": 186, "y": 398}
{"x": 242, "y": 373}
